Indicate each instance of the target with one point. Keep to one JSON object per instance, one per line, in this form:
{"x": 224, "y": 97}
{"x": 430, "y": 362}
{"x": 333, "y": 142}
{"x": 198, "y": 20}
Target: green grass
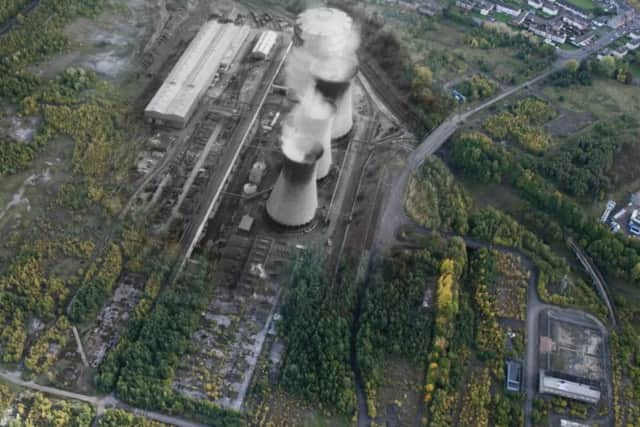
{"x": 443, "y": 45}
{"x": 568, "y": 47}
{"x": 583, "y": 4}
{"x": 502, "y": 17}
{"x": 605, "y": 98}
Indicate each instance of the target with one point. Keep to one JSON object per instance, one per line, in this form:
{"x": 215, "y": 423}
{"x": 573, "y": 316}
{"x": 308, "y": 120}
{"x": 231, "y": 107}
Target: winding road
{"x": 393, "y": 215}
{"x": 101, "y": 403}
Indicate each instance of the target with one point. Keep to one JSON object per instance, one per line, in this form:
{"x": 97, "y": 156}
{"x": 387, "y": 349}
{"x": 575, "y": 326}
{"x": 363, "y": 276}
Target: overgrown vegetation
{"x": 34, "y": 409}
{"x": 477, "y": 156}
{"x": 141, "y": 367}
{"x": 120, "y": 418}
{"x": 477, "y": 87}
{"x": 395, "y": 321}
{"x": 580, "y": 166}
{"x": 434, "y": 199}
{"x": 523, "y": 125}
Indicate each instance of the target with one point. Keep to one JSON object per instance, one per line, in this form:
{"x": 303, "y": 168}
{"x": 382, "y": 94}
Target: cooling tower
{"x": 325, "y": 31}
{"x": 332, "y": 79}
{"x": 330, "y": 37}
{"x": 294, "y": 198}
{"x": 313, "y": 120}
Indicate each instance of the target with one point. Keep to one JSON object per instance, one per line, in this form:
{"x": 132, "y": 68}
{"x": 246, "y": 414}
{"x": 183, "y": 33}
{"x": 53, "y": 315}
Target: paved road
{"x": 393, "y": 210}
{"x": 101, "y": 403}
{"x": 394, "y": 215}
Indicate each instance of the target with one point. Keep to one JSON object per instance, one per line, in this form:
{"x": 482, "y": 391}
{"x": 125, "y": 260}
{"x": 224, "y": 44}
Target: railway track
{"x": 387, "y": 92}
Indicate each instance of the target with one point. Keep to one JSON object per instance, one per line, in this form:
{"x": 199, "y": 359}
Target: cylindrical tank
{"x": 294, "y": 199}
{"x": 313, "y": 120}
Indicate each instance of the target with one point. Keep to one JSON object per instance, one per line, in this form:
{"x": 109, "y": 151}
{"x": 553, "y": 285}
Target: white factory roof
{"x": 234, "y": 47}
{"x": 570, "y": 389}
{"x": 264, "y": 44}
{"x": 194, "y": 71}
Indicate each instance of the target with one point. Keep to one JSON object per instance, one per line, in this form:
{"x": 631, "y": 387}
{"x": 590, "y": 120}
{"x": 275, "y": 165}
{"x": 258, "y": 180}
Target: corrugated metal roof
{"x": 194, "y": 71}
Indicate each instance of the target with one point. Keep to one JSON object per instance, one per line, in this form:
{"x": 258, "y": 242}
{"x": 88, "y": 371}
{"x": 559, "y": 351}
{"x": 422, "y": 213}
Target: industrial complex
{"x": 572, "y": 356}
{"x": 214, "y": 48}
{"x": 262, "y": 143}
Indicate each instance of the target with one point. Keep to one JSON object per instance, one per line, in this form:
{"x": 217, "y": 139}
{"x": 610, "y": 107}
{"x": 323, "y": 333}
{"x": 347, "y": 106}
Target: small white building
{"x": 550, "y": 9}
{"x": 632, "y": 44}
{"x": 536, "y": 4}
{"x": 634, "y": 35}
{"x": 569, "y": 389}
{"x": 508, "y": 9}
{"x": 573, "y": 9}
{"x": 620, "y": 52}
{"x": 264, "y": 45}
{"x": 485, "y": 7}
{"x": 575, "y": 21}
{"x": 465, "y": 5}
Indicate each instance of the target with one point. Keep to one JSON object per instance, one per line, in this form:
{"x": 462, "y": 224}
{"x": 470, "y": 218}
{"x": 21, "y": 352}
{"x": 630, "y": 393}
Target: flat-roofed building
{"x": 569, "y": 389}
{"x": 264, "y": 45}
{"x": 572, "y": 355}
{"x": 514, "y": 375}
{"x": 179, "y": 95}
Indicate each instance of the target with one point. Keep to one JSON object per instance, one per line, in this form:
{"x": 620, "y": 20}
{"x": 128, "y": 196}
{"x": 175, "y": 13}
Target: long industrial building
{"x": 214, "y": 46}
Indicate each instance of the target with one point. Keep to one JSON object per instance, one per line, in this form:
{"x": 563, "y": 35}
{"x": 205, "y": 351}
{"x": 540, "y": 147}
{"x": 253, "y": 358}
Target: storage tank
{"x": 331, "y": 38}
{"x": 294, "y": 199}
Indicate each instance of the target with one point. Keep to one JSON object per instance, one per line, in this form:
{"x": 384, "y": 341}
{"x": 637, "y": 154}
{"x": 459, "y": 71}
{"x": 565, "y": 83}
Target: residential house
{"x": 575, "y": 21}
{"x": 584, "y": 40}
{"x": 632, "y": 44}
{"x": 620, "y": 53}
{"x": 573, "y": 9}
{"x": 550, "y": 9}
{"x": 508, "y": 9}
{"x": 536, "y": 4}
{"x": 485, "y": 7}
{"x": 465, "y": 5}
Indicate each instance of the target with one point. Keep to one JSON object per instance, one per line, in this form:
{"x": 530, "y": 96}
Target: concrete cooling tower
{"x": 294, "y": 199}
{"x": 330, "y": 37}
{"x": 313, "y": 120}
{"x": 325, "y": 31}
{"x": 332, "y": 78}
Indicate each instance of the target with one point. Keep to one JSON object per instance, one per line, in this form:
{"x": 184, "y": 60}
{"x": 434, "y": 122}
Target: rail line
{"x": 218, "y": 182}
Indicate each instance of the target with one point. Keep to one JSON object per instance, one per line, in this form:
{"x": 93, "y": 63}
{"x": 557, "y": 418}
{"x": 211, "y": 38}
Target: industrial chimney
{"x": 330, "y": 37}
{"x": 294, "y": 198}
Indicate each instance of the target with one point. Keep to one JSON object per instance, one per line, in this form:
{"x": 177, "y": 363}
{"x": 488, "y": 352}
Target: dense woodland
{"x": 580, "y": 167}
{"x": 317, "y": 319}
{"x": 477, "y": 156}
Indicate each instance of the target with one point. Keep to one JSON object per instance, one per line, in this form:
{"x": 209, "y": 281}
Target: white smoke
{"x": 337, "y": 46}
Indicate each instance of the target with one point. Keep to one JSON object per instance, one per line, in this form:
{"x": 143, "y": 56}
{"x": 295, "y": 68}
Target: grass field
{"x": 583, "y": 4}
{"x": 605, "y": 98}
{"x": 443, "y": 46}
{"x": 399, "y": 399}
